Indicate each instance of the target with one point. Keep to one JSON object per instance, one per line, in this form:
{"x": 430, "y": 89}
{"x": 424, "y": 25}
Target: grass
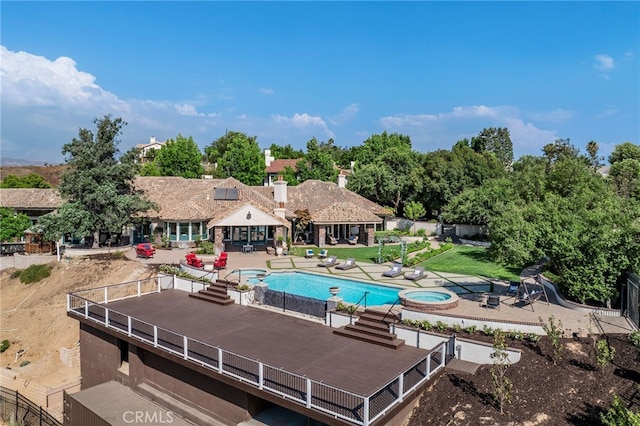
{"x": 469, "y": 260}
{"x": 463, "y": 260}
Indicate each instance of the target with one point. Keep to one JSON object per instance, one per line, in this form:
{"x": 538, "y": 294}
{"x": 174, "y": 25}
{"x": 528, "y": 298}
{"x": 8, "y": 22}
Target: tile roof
{"x": 30, "y": 198}
{"x": 278, "y": 166}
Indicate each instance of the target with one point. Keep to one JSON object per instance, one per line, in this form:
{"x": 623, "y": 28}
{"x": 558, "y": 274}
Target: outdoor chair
{"x": 309, "y": 253}
{"x": 353, "y": 240}
{"x": 493, "y": 301}
{"x": 513, "y": 288}
{"x": 395, "y": 270}
{"x": 323, "y": 254}
{"x": 331, "y": 261}
{"x": 193, "y": 260}
{"x": 417, "y": 273}
{"x": 332, "y": 240}
{"x": 221, "y": 262}
{"x": 350, "y": 263}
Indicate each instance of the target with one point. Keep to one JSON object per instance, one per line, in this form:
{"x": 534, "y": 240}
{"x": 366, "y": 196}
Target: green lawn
{"x": 464, "y": 260}
{"x": 470, "y": 261}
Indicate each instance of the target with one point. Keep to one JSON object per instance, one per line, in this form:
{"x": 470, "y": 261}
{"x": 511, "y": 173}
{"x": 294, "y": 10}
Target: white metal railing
{"x": 337, "y": 402}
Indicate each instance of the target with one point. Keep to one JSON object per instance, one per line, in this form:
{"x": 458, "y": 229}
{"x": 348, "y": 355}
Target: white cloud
{"x": 556, "y": 116}
{"x": 347, "y": 114}
{"x": 467, "y": 122}
{"x": 303, "y": 121}
{"x": 604, "y": 62}
{"x": 266, "y": 91}
{"x": 189, "y": 110}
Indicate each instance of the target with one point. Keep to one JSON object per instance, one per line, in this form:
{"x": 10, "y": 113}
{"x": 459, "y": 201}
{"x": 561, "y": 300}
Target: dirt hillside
{"x": 50, "y": 173}
{"x": 33, "y": 316}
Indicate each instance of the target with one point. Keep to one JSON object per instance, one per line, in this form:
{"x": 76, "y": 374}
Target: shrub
{"x": 168, "y": 269}
{"x": 619, "y": 414}
{"x": 532, "y": 337}
{"x": 16, "y": 274}
{"x": 488, "y": 331}
{"x": 421, "y": 232}
{"x": 118, "y": 254}
{"x": 441, "y": 327}
{"x": 24, "y": 363}
{"x": 206, "y": 247}
{"x": 426, "y": 325}
{"x": 501, "y": 383}
{"x": 635, "y": 339}
{"x": 4, "y": 345}
{"x": 471, "y": 329}
{"x": 604, "y": 353}
{"x": 35, "y": 273}
{"x": 554, "y": 331}
{"x": 421, "y": 257}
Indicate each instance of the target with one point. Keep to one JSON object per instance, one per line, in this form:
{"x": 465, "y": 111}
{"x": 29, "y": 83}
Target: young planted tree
{"x": 12, "y": 225}
{"x": 604, "y": 353}
{"x": 502, "y": 385}
{"x": 98, "y": 185}
{"x": 554, "y": 332}
{"x": 413, "y": 210}
{"x": 303, "y": 219}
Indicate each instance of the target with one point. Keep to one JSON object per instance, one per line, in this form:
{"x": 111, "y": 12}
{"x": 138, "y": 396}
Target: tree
{"x": 12, "y": 225}
{"x": 316, "y": 164}
{"x": 97, "y": 185}
{"x": 241, "y": 159}
{"x": 478, "y": 205}
{"x": 376, "y": 145}
{"x": 497, "y": 141}
{"x": 290, "y": 176}
{"x": 303, "y": 219}
{"x": 414, "y": 210}
{"x": 180, "y": 158}
{"x": 561, "y": 148}
{"x": 624, "y": 151}
{"x": 592, "y": 155}
{"x": 285, "y": 152}
{"x": 501, "y": 383}
{"x": 554, "y": 331}
{"x": 32, "y": 180}
{"x": 625, "y": 176}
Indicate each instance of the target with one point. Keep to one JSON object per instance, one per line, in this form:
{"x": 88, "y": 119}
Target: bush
{"x": 206, "y": 247}
{"x": 4, "y": 345}
{"x": 35, "y": 273}
{"x": 441, "y": 327}
{"x": 421, "y": 257}
{"x": 635, "y": 339}
{"x": 471, "y": 329}
{"x": 168, "y": 269}
{"x": 604, "y": 353}
{"x": 554, "y": 332}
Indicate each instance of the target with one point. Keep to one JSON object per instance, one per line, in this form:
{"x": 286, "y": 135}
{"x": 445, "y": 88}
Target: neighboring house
{"x": 274, "y": 168}
{"x": 145, "y": 148}
{"x": 232, "y": 214}
{"x": 33, "y": 202}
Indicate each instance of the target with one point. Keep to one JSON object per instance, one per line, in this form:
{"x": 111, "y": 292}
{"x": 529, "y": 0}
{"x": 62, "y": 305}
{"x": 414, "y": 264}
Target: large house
{"x": 232, "y": 214}
{"x": 145, "y": 149}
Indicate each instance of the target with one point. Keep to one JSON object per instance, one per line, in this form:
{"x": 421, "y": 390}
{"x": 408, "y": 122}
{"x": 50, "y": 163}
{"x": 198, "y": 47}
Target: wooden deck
{"x": 282, "y": 341}
{"x": 459, "y": 366}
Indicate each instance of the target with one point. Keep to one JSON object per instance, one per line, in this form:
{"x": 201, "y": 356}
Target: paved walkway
{"x": 469, "y": 305}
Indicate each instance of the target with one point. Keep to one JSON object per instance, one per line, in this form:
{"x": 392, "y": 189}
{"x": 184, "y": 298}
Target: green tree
{"x": 619, "y": 415}
{"x": 317, "y": 164}
{"x": 624, "y": 151}
{"x": 285, "y": 152}
{"x": 12, "y": 225}
{"x": 32, "y": 180}
{"x": 414, "y": 210}
{"x": 592, "y": 154}
{"x": 242, "y": 159}
{"x": 150, "y": 168}
{"x": 290, "y": 176}
{"x": 496, "y": 140}
{"x": 97, "y": 185}
{"x": 376, "y": 145}
{"x": 180, "y": 158}
{"x": 625, "y": 176}
{"x": 478, "y": 205}
{"x": 501, "y": 383}
{"x": 554, "y": 331}
{"x": 561, "y": 148}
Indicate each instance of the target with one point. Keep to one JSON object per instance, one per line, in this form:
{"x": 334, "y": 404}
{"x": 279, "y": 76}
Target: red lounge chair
{"x": 145, "y": 250}
{"x": 221, "y": 262}
{"x": 192, "y": 260}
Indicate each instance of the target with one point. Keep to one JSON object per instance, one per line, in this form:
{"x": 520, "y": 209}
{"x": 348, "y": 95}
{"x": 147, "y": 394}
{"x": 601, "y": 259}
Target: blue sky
{"x": 289, "y": 71}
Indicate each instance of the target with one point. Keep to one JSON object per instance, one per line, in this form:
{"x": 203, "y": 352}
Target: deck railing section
{"x": 339, "y": 403}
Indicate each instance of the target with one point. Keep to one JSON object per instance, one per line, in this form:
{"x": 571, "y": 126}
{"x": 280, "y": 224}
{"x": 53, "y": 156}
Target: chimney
{"x": 342, "y": 180}
{"x": 267, "y": 157}
{"x": 280, "y": 196}
{"x": 152, "y": 139}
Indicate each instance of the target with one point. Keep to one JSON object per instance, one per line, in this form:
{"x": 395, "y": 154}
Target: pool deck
{"x": 469, "y": 305}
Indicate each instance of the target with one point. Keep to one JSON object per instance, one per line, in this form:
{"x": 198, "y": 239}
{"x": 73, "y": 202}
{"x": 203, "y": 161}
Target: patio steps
{"x": 214, "y": 293}
{"x": 370, "y": 328}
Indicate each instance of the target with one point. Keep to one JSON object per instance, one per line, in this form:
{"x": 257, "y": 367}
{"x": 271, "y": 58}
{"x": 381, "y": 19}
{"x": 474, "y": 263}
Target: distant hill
{"x": 12, "y": 162}
{"x": 50, "y": 173}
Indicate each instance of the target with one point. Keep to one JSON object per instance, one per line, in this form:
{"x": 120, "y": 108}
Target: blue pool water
{"x": 317, "y": 287}
{"x": 427, "y": 296}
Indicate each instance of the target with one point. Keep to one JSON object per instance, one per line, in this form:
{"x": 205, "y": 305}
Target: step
{"x": 389, "y": 317}
{"x": 212, "y": 299}
{"x": 214, "y": 292}
{"x": 374, "y": 324}
{"x": 393, "y": 344}
{"x": 370, "y": 331}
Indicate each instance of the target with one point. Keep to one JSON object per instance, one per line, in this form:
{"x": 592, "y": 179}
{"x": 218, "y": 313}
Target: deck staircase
{"x": 371, "y": 328}
{"x": 215, "y": 293}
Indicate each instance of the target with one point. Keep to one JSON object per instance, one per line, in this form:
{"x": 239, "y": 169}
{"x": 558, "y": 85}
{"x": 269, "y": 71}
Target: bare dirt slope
{"x": 33, "y": 316}
{"x": 50, "y": 173}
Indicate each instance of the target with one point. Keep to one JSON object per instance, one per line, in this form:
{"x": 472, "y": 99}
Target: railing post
{"x": 106, "y": 297}
{"x": 308, "y": 393}
{"x": 219, "y": 360}
{"x": 184, "y": 347}
{"x": 139, "y": 292}
{"x": 106, "y": 317}
{"x": 155, "y": 336}
{"x": 260, "y": 375}
{"x": 365, "y": 414}
{"x": 401, "y": 386}
{"x": 86, "y": 309}
{"x": 442, "y": 355}
{"x": 68, "y": 302}
{"x": 159, "y": 286}
{"x": 129, "y": 325}
{"x": 428, "y": 372}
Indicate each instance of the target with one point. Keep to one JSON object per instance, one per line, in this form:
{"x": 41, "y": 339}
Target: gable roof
{"x": 30, "y": 198}
{"x": 278, "y": 166}
{"x": 328, "y": 203}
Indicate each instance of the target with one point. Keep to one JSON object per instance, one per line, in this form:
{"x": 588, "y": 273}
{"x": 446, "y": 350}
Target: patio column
{"x": 322, "y": 236}
{"x": 218, "y": 239}
{"x": 370, "y": 235}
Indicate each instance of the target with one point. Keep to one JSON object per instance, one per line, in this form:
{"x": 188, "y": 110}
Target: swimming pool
{"x": 317, "y": 287}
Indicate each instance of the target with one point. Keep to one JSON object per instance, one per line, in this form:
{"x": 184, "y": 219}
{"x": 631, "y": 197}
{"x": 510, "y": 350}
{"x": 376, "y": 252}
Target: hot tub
{"x": 428, "y": 300}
